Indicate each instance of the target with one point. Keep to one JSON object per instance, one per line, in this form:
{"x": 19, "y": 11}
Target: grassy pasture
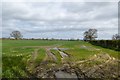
{"x": 20, "y": 57}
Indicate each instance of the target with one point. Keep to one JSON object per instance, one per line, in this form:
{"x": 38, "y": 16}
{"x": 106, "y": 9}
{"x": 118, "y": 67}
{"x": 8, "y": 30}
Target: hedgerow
{"x": 111, "y": 44}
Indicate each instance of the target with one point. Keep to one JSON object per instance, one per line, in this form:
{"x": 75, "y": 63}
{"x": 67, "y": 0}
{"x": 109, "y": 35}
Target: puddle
{"x": 63, "y": 54}
{"x": 63, "y": 49}
{"x": 61, "y": 74}
{"x": 60, "y": 48}
{"x": 53, "y": 56}
{"x": 55, "y": 48}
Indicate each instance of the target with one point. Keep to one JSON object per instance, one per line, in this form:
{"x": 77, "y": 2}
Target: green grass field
{"x": 20, "y": 57}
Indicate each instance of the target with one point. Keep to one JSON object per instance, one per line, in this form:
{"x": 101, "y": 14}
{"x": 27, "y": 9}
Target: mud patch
{"x": 91, "y": 68}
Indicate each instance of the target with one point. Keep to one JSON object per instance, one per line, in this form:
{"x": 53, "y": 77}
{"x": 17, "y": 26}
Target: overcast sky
{"x": 59, "y": 19}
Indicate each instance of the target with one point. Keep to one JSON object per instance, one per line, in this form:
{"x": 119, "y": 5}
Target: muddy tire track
{"x": 51, "y": 55}
{"x": 35, "y": 54}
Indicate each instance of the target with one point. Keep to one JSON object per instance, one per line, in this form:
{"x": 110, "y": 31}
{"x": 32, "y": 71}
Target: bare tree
{"x": 16, "y": 35}
{"x": 91, "y": 34}
{"x": 116, "y": 37}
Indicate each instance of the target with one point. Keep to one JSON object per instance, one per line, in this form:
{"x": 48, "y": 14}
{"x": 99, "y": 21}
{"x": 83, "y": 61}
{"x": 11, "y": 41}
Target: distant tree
{"x": 32, "y": 38}
{"x": 16, "y": 35}
{"x": 91, "y": 34}
{"x": 116, "y": 37}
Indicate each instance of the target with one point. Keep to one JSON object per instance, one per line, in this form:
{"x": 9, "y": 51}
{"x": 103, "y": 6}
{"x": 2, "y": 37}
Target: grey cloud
{"x": 49, "y": 18}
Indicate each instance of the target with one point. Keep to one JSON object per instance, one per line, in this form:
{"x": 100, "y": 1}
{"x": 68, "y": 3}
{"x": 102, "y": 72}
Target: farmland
{"x": 44, "y": 58}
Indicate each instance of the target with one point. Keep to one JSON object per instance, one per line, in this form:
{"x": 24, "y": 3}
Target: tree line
{"x": 89, "y": 35}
